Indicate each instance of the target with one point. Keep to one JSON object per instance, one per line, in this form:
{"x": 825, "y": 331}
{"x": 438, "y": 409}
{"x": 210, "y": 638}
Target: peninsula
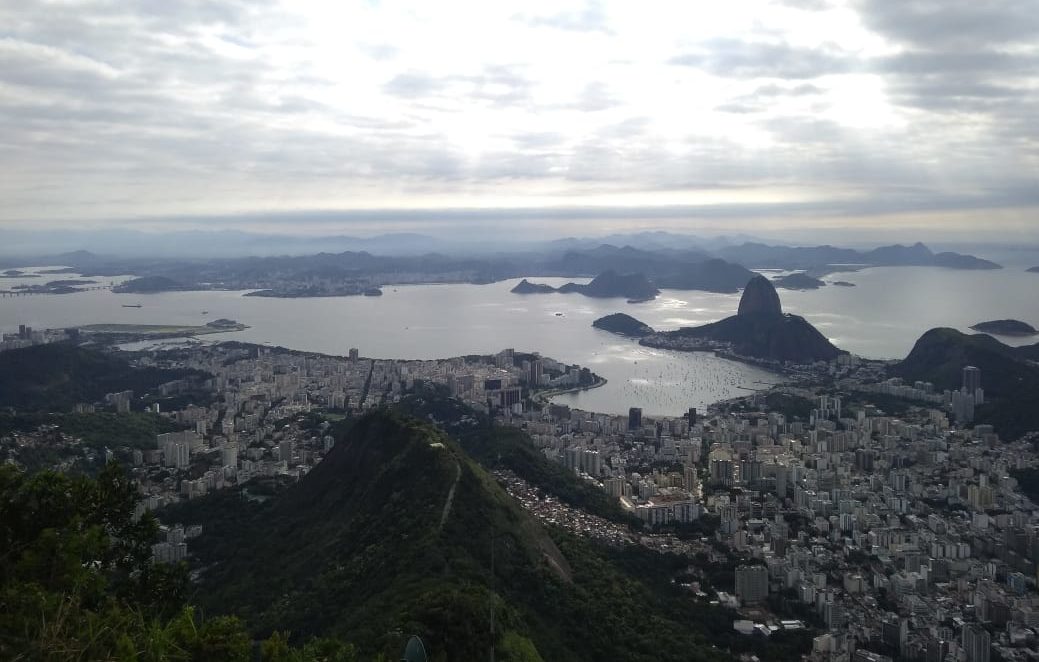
{"x": 608, "y": 284}
{"x": 759, "y": 330}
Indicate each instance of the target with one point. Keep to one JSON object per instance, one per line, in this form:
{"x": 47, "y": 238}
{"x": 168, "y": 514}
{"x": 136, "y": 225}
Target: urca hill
{"x": 758, "y": 330}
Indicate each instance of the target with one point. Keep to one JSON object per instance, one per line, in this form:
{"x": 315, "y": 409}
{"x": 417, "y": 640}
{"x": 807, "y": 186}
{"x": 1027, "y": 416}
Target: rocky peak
{"x": 759, "y": 297}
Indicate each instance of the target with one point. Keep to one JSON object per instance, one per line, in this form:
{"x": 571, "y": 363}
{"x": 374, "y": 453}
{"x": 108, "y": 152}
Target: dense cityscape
{"x": 541, "y": 331}
{"x": 888, "y": 535}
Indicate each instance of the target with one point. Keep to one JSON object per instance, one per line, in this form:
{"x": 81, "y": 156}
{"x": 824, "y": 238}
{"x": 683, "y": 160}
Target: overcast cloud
{"x": 773, "y": 112}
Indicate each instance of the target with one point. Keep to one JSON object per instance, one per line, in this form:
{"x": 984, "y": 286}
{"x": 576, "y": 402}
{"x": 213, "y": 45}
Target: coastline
{"x": 544, "y": 397}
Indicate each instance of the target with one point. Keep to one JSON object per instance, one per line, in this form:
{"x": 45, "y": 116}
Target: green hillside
{"x": 1010, "y": 382}
{"x": 497, "y": 446}
{"x": 362, "y": 550}
{"x": 57, "y": 376}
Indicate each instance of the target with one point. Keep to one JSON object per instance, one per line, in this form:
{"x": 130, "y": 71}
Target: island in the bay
{"x": 624, "y": 325}
{"x": 608, "y": 284}
{"x": 798, "y": 281}
{"x": 1008, "y": 327}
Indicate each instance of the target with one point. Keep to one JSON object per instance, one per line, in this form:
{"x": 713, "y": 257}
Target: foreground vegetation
{"x": 77, "y": 582}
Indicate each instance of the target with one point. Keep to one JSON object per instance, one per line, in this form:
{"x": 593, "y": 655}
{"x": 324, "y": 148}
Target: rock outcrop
{"x": 759, "y": 297}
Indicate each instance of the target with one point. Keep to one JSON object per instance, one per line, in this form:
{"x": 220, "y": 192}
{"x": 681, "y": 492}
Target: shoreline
{"x": 544, "y": 397}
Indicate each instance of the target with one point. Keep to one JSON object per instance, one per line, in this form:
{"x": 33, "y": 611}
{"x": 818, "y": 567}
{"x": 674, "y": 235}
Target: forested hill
{"x": 1009, "y": 379}
{"x": 393, "y": 533}
{"x": 58, "y": 376}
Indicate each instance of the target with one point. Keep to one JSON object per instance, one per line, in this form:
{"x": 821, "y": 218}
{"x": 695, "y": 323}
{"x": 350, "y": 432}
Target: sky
{"x": 310, "y": 116}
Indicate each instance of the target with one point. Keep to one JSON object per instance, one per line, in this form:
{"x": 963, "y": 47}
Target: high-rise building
{"x": 751, "y": 584}
{"x": 229, "y": 455}
{"x": 634, "y": 418}
{"x": 977, "y": 643}
{"x": 354, "y": 354}
{"x": 535, "y": 371}
{"x": 691, "y": 416}
{"x": 971, "y": 380}
{"x": 285, "y": 451}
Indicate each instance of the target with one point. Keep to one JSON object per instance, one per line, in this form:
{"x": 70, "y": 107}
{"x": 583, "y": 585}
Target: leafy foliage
{"x": 1011, "y": 383}
{"x": 77, "y": 580}
{"x": 496, "y": 446}
{"x": 99, "y": 429}
{"x": 57, "y": 376}
{"x": 357, "y": 551}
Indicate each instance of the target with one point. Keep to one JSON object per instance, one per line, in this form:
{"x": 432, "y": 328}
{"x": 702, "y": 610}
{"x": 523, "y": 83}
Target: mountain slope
{"x": 623, "y": 324}
{"x": 940, "y": 355}
{"x": 759, "y": 329}
{"x": 57, "y": 376}
{"x": 775, "y": 337}
{"x": 1010, "y": 381}
{"x": 392, "y": 535}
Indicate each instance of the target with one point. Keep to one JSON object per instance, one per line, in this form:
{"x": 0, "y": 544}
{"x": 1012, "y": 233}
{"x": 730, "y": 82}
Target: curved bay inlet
{"x": 879, "y": 318}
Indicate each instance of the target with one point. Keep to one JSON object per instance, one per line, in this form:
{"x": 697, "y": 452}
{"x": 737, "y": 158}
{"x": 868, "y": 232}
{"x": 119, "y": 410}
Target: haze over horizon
{"x": 829, "y": 118}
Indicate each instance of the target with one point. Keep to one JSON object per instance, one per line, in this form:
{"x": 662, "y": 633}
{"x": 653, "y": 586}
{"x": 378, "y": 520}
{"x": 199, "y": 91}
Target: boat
{"x": 205, "y": 312}
{"x": 131, "y": 305}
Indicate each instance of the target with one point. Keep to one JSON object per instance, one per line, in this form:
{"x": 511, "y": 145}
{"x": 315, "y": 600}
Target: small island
{"x": 624, "y": 325}
{"x": 1033, "y": 270}
{"x": 798, "y": 281}
{"x": 150, "y": 285}
{"x": 527, "y": 287}
{"x": 62, "y": 270}
{"x": 634, "y": 287}
{"x": 843, "y": 283}
{"x": 1006, "y": 328}
{"x": 70, "y": 283}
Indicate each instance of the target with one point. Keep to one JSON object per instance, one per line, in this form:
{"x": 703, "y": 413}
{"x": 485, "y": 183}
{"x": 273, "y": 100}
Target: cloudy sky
{"x": 311, "y": 115}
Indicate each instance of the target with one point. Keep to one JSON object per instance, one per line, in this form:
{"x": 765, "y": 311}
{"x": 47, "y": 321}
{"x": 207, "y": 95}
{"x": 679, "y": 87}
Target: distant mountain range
{"x": 827, "y": 259}
{"x": 721, "y": 268}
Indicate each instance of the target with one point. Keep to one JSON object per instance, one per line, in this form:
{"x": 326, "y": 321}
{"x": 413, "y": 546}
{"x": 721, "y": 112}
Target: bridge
{"x": 4, "y": 294}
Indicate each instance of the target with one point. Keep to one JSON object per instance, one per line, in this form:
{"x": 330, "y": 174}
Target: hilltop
{"x": 760, "y": 330}
{"x": 608, "y": 284}
{"x": 392, "y": 533}
{"x": 527, "y": 287}
{"x": 1006, "y": 328}
{"x": 798, "y": 281}
{"x": 1010, "y": 381}
{"x": 58, "y": 376}
{"x": 623, "y": 324}
{"x": 151, "y": 285}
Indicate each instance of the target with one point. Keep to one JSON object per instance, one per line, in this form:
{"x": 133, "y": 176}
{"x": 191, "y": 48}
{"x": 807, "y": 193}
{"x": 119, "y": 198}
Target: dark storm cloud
{"x": 942, "y": 24}
{"x": 747, "y": 59}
